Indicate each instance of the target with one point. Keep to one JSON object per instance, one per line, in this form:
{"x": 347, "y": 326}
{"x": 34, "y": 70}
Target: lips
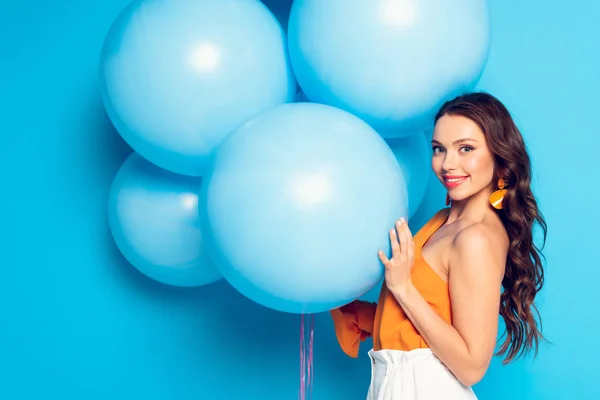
{"x": 453, "y": 181}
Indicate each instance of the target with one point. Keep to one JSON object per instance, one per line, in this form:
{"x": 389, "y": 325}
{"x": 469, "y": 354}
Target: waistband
{"x": 396, "y": 357}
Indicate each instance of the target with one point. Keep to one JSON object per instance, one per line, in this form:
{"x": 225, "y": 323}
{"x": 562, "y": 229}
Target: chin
{"x": 459, "y": 196}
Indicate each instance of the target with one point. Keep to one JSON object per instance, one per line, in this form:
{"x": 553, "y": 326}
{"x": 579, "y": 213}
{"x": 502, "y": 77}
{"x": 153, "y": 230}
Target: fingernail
{"x": 402, "y": 220}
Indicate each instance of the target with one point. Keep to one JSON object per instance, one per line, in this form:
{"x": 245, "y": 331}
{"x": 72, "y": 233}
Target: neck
{"x": 472, "y": 208}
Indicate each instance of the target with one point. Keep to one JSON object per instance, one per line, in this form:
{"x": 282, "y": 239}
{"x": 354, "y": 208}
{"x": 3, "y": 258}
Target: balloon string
{"x": 310, "y": 355}
{"x": 302, "y": 394}
{"x": 307, "y": 329}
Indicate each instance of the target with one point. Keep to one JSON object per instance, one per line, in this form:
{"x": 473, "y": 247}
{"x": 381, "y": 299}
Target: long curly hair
{"x": 524, "y": 275}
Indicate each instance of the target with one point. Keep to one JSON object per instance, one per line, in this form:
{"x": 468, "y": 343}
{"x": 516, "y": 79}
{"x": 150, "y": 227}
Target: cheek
{"x": 479, "y": 164}
{"x": 436, "y": 164}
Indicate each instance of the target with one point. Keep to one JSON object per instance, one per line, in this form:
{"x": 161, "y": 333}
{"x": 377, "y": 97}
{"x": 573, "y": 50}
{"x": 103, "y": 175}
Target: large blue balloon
{"x": 153, "y": 216}
{"x": 390, "y": 62}
{"x": 179, "y": 75}
{"x": 413, "y": 153}
{"x": 300, "y": 200}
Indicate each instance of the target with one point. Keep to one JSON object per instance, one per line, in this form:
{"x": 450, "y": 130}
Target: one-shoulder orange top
{"x": 386, "y": 321}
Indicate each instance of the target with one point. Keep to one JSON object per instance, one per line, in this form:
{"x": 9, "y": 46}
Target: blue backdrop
{"x": 78, "y": 322}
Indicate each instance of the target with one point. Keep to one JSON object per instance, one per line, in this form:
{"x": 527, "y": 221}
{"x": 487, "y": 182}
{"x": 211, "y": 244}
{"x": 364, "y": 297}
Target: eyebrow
{"x": 456, "y": 141}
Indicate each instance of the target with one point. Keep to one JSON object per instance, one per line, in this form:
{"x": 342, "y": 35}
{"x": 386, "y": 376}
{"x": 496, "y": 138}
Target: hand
{"x": 398, "y": 269}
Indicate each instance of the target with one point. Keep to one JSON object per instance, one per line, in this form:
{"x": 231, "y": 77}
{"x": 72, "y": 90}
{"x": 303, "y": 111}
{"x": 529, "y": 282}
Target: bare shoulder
{"x": 489, "y": 232}
{"x": 481, "y": 242}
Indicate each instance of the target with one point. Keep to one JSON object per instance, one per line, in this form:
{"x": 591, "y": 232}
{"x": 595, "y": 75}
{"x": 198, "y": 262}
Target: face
{"x": 461, "y": 158}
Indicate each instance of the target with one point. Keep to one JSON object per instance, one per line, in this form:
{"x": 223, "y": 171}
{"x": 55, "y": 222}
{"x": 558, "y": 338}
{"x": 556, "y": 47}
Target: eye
{"x": 437, "y": 149}
{"x": 466, "y": 149}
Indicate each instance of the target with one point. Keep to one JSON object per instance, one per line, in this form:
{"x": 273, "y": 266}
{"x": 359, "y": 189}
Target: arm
{"x": 476, "y": 271}
{"x": 353, "y": 324}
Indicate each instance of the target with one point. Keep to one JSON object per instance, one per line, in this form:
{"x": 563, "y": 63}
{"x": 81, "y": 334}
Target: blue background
{"x": 77, "y": 322}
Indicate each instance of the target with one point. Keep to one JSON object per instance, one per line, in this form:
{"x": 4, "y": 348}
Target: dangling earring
{"x": 448, "y": 199}
{"x": 498, "y": 196}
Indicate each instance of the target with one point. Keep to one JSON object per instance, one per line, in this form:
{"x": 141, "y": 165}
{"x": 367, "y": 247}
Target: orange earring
{"x": 447, "y": 199}
{"x": 497, "y": 197}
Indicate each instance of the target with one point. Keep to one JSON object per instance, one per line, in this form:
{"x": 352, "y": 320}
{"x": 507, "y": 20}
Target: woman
{"x": 435, "y": 326}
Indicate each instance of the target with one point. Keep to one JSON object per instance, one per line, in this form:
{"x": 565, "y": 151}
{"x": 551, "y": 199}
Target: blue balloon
{"x": 153, "y": 217}
{"x": 298, "y": 203}
{"x": 413, "y": 153}
{"x": 391, "y": 63}
{"x": 178, "y": 75}
{"x": 281, "y": 10}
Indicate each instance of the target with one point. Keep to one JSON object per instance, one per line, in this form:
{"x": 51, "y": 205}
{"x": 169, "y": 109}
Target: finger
{"x": 410, "y": 243}
{"x": 394, "y": 243}
{"x": 407, "y": 230}
{"x": 384, "y": 260}
{"x": 403, "y": 239}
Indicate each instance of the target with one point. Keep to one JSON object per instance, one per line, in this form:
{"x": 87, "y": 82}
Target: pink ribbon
{"x": 307, "y": 334}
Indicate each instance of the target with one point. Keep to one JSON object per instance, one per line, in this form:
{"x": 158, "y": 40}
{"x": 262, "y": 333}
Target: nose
{"x": 450, "y": 162}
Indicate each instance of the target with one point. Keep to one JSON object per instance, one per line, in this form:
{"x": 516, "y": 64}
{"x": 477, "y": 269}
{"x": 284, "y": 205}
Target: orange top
{"x": 386, "y": 321}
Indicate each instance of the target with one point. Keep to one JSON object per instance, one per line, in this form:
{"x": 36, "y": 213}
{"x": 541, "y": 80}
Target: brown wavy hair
{"x": 524, "y": 275}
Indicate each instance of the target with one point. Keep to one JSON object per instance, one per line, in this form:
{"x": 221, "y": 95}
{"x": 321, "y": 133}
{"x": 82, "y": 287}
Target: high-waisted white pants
{"x": 413, "y": 375}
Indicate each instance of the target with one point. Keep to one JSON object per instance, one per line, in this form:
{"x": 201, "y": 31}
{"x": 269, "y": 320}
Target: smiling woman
{"x": 459, "y": 149}
{"x": 437, "y": 316}
{"x": 496, "y": 149}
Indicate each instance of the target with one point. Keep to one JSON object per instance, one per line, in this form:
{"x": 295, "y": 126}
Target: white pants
{"x": 413, "y": 375}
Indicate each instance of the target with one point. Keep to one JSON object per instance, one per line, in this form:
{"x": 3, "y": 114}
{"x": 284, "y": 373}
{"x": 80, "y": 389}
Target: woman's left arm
{"x": 476, "y": 270}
